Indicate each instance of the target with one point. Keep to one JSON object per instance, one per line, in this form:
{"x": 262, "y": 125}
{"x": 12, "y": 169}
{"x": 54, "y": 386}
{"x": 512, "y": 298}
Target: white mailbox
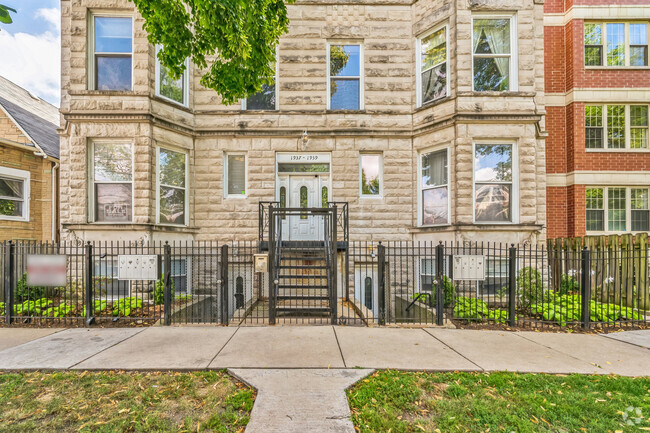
{"x": 469, "y": 267}
{"x": 137, "y": 267}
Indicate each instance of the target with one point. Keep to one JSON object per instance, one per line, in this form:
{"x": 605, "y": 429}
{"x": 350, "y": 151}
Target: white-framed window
{"x": 345, "y": 76}
{"x": 111, "y": 182}
{"x": 179, "y": 275}
{"x": 14, "y": 194}
{"x": 235, "y": 175}
{"x": 617, "y": 209}
{"x": 432, "y": 66}
{"x": 266, "y": 99}
{"x": 172, "y": 186}
{"x": 495, "y": 183}
{"x": 172, "y": 90}
{"x": 111, "y": 52}
{"x": 433, "y": 184}
{"x": 616, "y": 126}
{"x": 494, "y": 53}
{"x": 371, "y": 175}
{"x": 616, "y": 44}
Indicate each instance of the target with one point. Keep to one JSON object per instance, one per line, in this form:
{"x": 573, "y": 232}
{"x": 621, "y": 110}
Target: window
{"x": 235, "y": 175}
{"x": 112, "y": 180}
{"x": 14, "y": 194}
{"x": 168, "y": 88}
{"x": 496, "y": 275}
{"x": 617, "y": 209}
{"x": 493, "y": 183}
{"x": 434, "y": 188}
{"x": 367, "y": 295}
{"x": 494, "y": 48}
{"x": 324, "y": 196}
{"x": 616, "y": 44}
{"x": 112, "y": 53}
{"x": 370, "y": 175}
{"x": 239, "y": 293}
{"x": 427, "y": 275}
{"x": 432, "y": 67}
{"x": 107, "y": 286}
{"x": 624, "y": 126}
{"x": 344, "y": 84}
{"x": 265, "y": 99}
{"x": 179, "y": 273}
{"x": 172, "y": 187}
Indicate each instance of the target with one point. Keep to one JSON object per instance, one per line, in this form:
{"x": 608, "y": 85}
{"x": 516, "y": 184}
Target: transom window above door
{"x": 345, "y": 77}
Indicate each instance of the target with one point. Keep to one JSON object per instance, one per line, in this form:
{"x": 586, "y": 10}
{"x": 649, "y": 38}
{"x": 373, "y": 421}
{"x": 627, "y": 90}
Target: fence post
{"x": 10, "y": 280}
{"x": 334, "y": 295}
{"x": 224, "y": 284}
{"x": 381, "y": 270}
{"x": 586, "y": 289}
{"x": 512, "y": 284}
{"x": 440, "y": 287}
{"x": 90, "y": 319}
{"x": 167, "y": 290}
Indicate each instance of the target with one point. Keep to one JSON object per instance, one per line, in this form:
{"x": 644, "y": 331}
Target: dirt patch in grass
{"x": 123, "y": 402}
{"x": 499, "y": 402}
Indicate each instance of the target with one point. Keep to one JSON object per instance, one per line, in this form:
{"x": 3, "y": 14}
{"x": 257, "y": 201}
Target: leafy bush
{"x": 183, "y": 297}
{"x": 25, "y": 292}
{"x": 159, "y": 290}
{"x": 476, "y": 309}
{"x": 3, "y": 308}
{"x": 569, "y": 283}
{"x": 448, "y": 290}
{"x": 530, "y": 286}
{"x": 564, "y": 309}
{"x": 123, "y": 307}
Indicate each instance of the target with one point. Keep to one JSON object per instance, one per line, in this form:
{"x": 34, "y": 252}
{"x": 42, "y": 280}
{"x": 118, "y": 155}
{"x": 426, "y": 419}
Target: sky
{"x": 31, "y": 47}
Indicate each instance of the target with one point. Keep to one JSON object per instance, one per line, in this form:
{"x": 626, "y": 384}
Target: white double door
{"x": 303, "y": 191}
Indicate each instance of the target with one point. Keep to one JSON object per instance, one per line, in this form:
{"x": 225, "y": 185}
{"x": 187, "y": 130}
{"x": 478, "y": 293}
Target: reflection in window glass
{"x": 370, "y": 174}
{"x": 493, "y": 183}
{"x": 172, "y": 194}
{"x": 638, "y": 126}
{"x": 593, "y": 45}
{"x": 616, "y": 209}
{"x": 640, "y": 211}
{"x": 595, "y": 205}
{"x": 491, "y": 42}
{"x": 12, "y": 197}
{"x": 113, "y": 50}
{"x": 112, "y": 177}
{"x": 434, "y": 66}
{"x": 345, "y": 77}
{"x": 434, "y": 187}
{"x": 615, "y": 44}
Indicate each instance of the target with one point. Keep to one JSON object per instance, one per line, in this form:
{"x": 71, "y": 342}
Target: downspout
{"x": 55, "y": 168}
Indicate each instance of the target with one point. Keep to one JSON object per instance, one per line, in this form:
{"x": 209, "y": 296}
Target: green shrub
{"x": 123, "y": 307}
{"x": 159, "y": 290}
{"x": 530, "y": 286}
{"x": 568, "y": 283}
{"x": 25, "y": 292}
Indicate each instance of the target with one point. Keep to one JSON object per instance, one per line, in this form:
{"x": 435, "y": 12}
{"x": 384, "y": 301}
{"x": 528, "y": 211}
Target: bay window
{"x": 617, "y": 209}
{"x": 619, "y": 126}
{"x": 432, "y": 66}
{"x": 14, "y": 194}
{"x": 494, "y": 51}
{"x": 493, "y": 183}
{"x": 112, "y": 53}
{"x": 344, "y": 77}
{"x": 168, "y": 88}
{"x": 434, "y": 188}
{"x": 111, "y": 182}
{"x": 616, "y": 44}
{"x": 172, "y": 187}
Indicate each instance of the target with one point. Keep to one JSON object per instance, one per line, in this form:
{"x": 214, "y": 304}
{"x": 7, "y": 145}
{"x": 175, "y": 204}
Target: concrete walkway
{"x": 323, "y": 347}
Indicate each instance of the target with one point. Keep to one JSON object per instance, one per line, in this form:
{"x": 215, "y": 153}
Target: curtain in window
{"x": 497, "y": 35}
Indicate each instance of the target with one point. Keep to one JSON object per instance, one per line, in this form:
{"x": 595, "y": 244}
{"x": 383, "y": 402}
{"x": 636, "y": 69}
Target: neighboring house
{"x": 427, "y": 117}
{"x": 597, "y": 85}
{"x": 29, "y": 166}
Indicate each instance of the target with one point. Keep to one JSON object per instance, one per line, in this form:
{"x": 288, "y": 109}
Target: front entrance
{"x": 303, "y": 181}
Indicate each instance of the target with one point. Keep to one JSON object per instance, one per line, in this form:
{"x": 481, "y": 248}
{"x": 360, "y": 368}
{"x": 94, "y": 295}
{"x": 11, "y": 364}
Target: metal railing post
{"x": 10, "y": 280}
{"x": 440, "y": 287}
{"x": 512, "y": 285}
{"x": 224, "y": 285}
{"x": 381, "y": 270}
{"x": 586, "y": 289}
{"x": 334, "y": 272}
{"x": 90, "y": 319}
{"x": 167, "y": 293}
{"x": 272, "y": 270}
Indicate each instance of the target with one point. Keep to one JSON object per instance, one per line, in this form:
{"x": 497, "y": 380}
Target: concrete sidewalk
{"x": 323, "y": 347}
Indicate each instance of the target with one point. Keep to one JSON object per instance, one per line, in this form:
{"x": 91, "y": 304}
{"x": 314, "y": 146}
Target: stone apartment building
{"x": 597, "y": 83}
{"x": 29, "y": 165}
{"x": 426, "y": 116}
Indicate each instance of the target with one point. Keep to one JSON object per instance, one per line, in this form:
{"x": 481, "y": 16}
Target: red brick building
{"x": 597, "y": 84}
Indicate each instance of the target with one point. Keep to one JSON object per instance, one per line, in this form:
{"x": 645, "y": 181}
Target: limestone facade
{"x": 390, "y": 123}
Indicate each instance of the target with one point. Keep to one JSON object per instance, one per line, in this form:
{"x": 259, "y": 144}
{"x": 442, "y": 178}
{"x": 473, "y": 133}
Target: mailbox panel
{"x": 469, "y": 267}
{"x": 137, "y": 267}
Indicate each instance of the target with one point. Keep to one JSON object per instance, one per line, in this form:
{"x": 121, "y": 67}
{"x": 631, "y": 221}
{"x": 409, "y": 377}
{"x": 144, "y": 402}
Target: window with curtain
{"x": 434, "y": 187}
{"x": 624, "y": 126}
{"x": 167, "y": 87}
{"x": 433, "y": 66}
{"x": 172, "y": 188}
{"x": 112, "y": 173}
{"x": 616, "y": 44}
{"x": 493, "y": 187}
{"x": 112, "y": 52}
{"x": 617, "y": 209}
{"x": 345, "y": 66}
{"x": 492, "y": 54}
{"x": 235, "y": 175}
{"x": 370, "y": 175}
{"x": 13, "y": 195}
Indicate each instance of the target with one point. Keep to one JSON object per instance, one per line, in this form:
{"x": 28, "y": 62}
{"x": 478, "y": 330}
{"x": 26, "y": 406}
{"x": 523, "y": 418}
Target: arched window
{"x": 304, "y": 201}
{"x": 324, "y": 196}
{"x": 239, "y": 293}
{"x": 368, "y": 293}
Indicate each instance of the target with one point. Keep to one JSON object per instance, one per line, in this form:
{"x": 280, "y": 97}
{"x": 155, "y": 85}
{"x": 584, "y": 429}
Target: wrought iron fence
{"x": 415, "y": 283}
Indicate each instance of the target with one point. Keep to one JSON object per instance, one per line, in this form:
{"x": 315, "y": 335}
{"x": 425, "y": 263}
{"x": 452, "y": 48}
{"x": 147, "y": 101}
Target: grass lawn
{"x": 391, "y": 401}
{"x": 121, "y": 402}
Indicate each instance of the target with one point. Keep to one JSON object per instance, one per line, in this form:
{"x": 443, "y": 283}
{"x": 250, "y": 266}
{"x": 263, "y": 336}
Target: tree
{"x": 233, "y": 41}
{"x": 5, "y": 18}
